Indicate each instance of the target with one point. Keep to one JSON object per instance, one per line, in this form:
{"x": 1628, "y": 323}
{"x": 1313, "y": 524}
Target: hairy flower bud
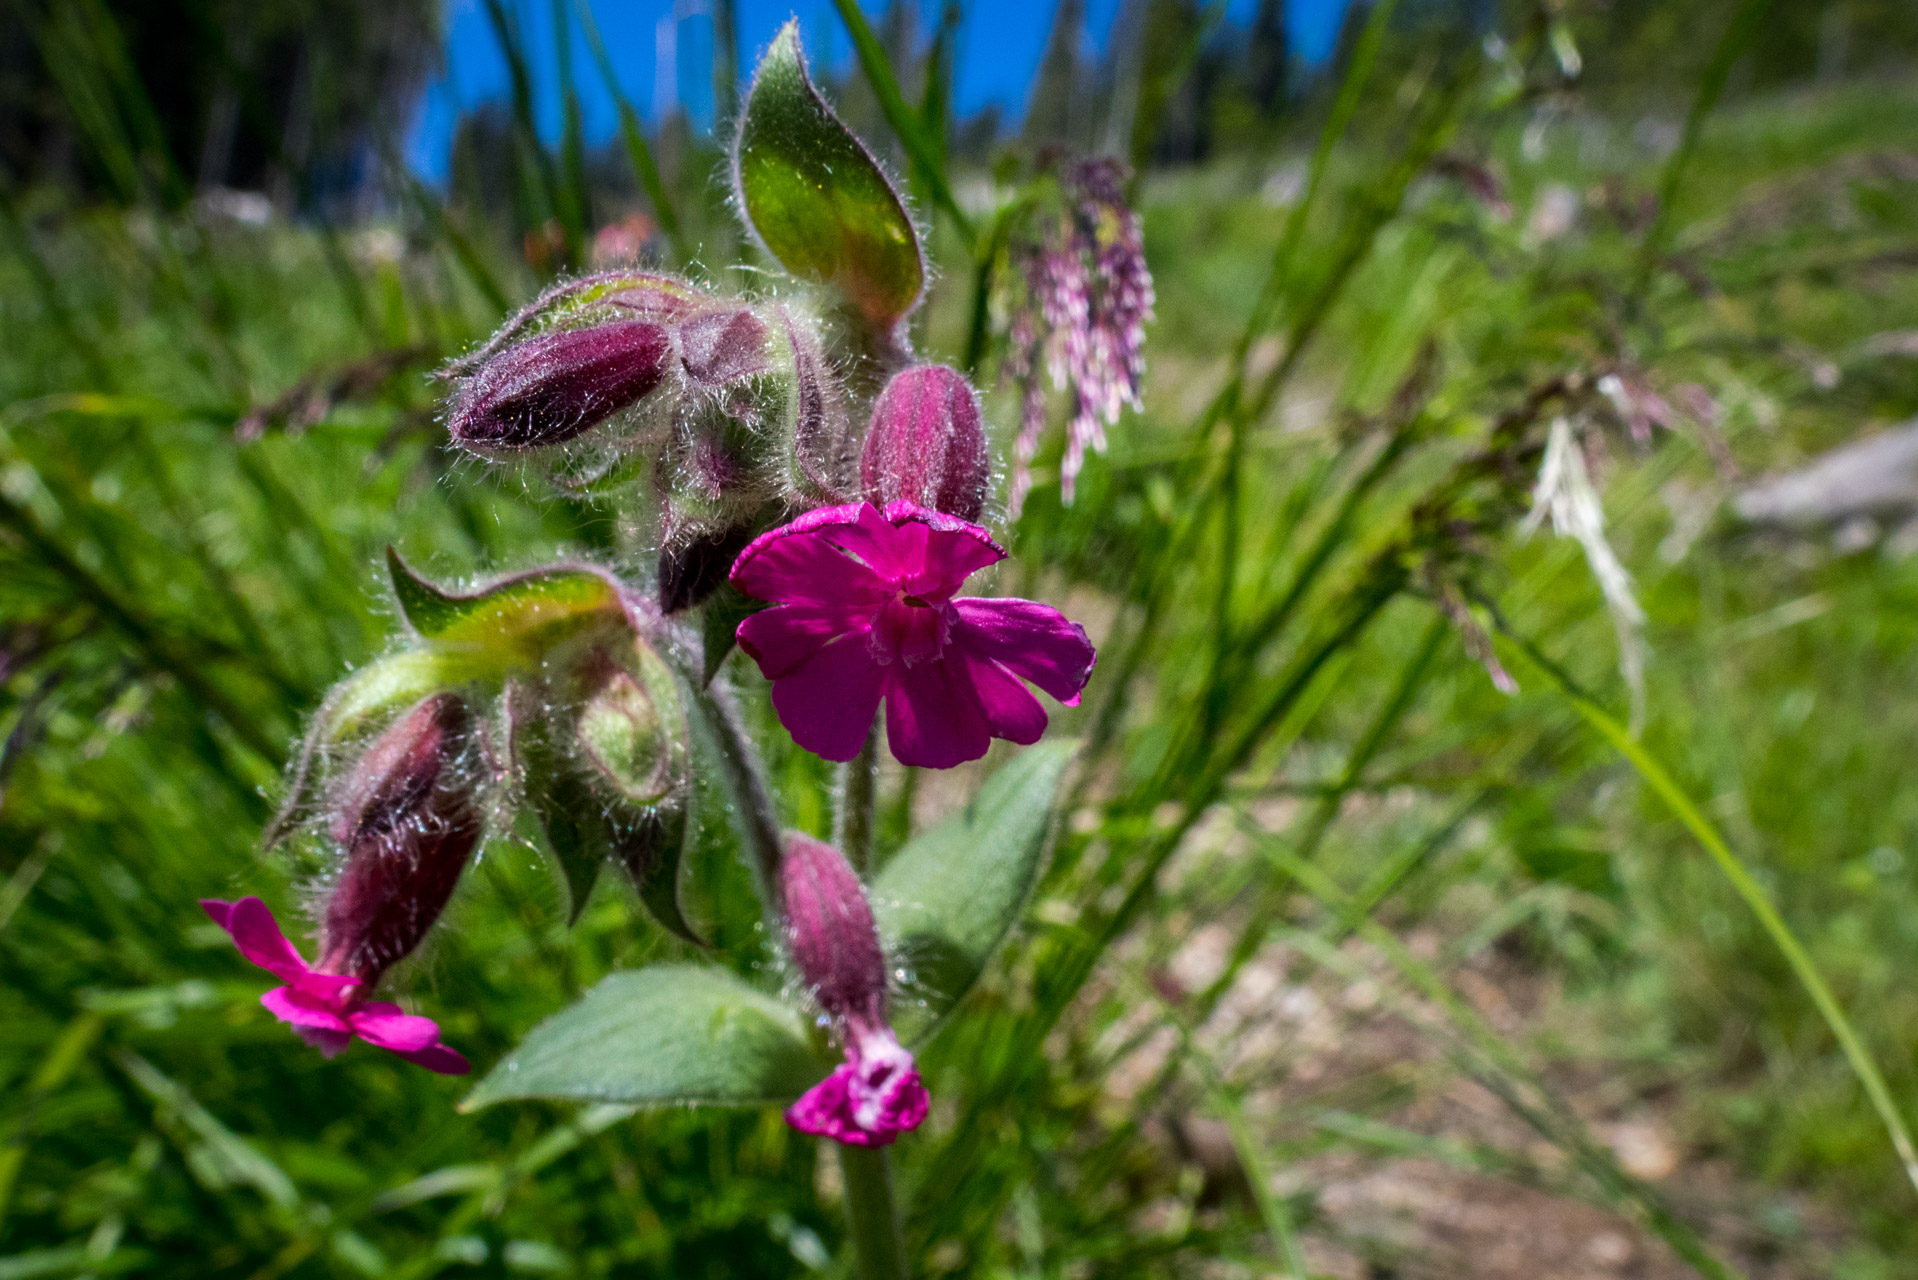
{"x": 719, "y": 348}
{"x": 927, "y": 444}
{"x": 830, "y": 928}
{"x": 408, "y": 824}
{"x": 555, "y": 387}
{"x": 631, "y": 729}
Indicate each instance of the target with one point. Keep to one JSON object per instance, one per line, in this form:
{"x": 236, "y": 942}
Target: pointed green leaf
{"x": 660, "y": 1035}
{"x": 947, "y": 900}
{"x": 512, "y": 622}
{"x": 814, "y": 194}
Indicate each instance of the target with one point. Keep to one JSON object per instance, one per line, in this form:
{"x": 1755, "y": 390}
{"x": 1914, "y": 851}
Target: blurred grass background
{"x": 219, "y": 292}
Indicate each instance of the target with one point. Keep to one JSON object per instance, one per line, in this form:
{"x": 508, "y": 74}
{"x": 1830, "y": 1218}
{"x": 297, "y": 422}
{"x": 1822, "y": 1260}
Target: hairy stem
{"x": 876, "y": 1238}
{"x": 744, "y": 778}
{"x": 852, "y": 816}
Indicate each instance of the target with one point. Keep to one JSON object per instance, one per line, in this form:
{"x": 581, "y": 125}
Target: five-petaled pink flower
{"x": 326, "y": 1009}
{"x": 864, "y": 611}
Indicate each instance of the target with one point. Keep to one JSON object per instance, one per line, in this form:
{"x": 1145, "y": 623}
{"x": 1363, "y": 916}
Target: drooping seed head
{"x": 407, "y": 823}
{"x": 927, "y": 444}
{"x": 830, "y": 928}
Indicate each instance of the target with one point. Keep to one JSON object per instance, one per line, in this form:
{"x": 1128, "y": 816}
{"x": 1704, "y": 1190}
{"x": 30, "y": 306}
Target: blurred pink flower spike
{"x": 876, "y": 1094}
{"x": 325, "y": 1009}
{"x": 864, "y": 612}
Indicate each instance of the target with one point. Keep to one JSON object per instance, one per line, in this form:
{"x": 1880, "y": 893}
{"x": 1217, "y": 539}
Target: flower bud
{"x": 927, "y": 444}
{"x": 554, "y": 387}
{"x": 632, "y": 733}
{"x": 830, "y": 928}
{"x": 719, "y": 348}
{"x": 408, "y": 824}
{"x": 691, "y": 569}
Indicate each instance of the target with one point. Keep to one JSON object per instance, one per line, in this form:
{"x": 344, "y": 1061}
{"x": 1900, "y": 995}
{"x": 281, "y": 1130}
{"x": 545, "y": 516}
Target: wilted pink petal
{"x": 383, "y": 1025}
{"x": 289, "y": 1004}
{"x": 864, "y": 612}
{"x": 257, "y": 935}
{"x": 438, "y": 1058}
{"x": 1011, "y": 712}
{"x": 326, "y": 1009}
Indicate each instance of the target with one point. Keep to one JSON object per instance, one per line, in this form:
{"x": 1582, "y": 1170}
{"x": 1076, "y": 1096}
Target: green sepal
{"x": 719, "y": 620}
{"x": 368, "y": 698}
{"x": 947, "y": 900}
{"x": 513, "y": 623}
{"x": 817, "y": 199}
{"x": 658, "y": 1036}
{"x": 569, "y": 816}
{"x": 651, "y": 846}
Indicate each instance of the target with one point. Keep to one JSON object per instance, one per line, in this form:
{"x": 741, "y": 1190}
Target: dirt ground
{"x": 1400, "y": 1162}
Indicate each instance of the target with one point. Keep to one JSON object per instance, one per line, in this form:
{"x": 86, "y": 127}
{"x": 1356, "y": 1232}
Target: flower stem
{"x": 852, "y": 818}
{"x": 876, "y": 1238}
{"x": 744, "y": 778}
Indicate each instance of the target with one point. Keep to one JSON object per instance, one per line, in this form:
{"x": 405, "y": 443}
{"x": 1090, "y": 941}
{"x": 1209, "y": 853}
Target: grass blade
{"x": 1863, "y": 1065}
{"x": 904, "y": 121}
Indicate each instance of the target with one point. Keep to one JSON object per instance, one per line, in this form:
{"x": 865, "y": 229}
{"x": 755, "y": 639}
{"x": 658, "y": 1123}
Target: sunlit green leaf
{"x": 660, "y": 1035}
{"x": 815, "y": 195}
{"x": 947, "y": 900}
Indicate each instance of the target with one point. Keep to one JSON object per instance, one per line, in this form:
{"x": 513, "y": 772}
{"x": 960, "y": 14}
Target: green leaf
{"x": 513, "y": 622}
{"x": 661, "y": 1035}
{"x": 947, "y": 900}
{"x": 816, "y": 197}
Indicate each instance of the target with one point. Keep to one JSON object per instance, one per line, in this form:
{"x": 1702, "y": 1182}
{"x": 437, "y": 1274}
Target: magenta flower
{"x": 326, "y": 1009}
{"x": 864, "y": 612}
{"x": 876, "y": 1093}
{"x": 869, "y": 1099}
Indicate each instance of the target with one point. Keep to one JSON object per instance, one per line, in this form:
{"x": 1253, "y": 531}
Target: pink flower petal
{"x": 382, "y": 1025}
{"x": 330, "y": 1043}
{"x": 1011, "y": 712}
{"x": 952, "y": 549}
{"x": 1033, "y": 641}
{"x": 437, "y": 1057}
{"x": 847, "y": 1109}
{"x": 797, "y": 564}
{"x": 784, "y": 636}
{"x": 257, "y": 934}
{"x": 828, "y": 702}
{"x": 826, "y": 1110}
{"x": 933, "y": 717}
{"x": 289, "y": 1004}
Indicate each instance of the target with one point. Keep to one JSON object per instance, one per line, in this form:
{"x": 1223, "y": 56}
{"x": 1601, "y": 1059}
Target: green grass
{"x": 183, "y": 598}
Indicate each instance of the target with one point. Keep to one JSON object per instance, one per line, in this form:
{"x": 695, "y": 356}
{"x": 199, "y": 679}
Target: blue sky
{"x": 1000, "y": 46}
